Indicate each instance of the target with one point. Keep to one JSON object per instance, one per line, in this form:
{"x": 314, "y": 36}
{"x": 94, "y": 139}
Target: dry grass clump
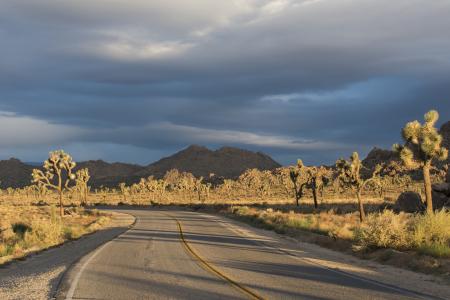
{"x": 428, "y": 233}
{"x": 28, "y": 228}
{"x": 325, "y": 223}
{"x": 385, "y": 230}
{"x": 432, "y": 234}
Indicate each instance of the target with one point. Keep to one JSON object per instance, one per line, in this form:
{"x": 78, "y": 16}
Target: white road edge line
{"x": 233, "y": 228}
{"x": 74, "y": 283}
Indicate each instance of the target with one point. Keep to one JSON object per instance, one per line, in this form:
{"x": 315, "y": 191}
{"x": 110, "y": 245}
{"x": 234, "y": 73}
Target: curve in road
{"x": 186, "y": 255}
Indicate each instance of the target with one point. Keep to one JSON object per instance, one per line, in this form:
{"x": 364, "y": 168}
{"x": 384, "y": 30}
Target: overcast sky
{"x": 134, "y": 81}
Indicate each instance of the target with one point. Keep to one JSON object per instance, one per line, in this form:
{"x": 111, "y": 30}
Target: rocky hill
{"x": 227, "y": 162}
{"x": 110, "y": 174}
{"x": 377, "y": 156}
{"x": 445, "y": 132}
{"x": 14, "y": 173}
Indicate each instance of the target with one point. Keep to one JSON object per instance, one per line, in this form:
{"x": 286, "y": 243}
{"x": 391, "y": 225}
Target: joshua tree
{"x": 206, "y": 190}
{"x": 298, "y": 184}
{"x": 198, "y": 187}
{"x": 58, "y": 174}
{"x": 82, "y": 179}
{"x": 252, "y": 181}
{"x": 350, "y": 176}
{"x": 123, "y": 191}
{"x": 162, "y": 186}
{"x": 282, "y": 176}
{"x": 317, "y": 179}
{"x": 227, "y": 188}
{"x": 422, "y": 146}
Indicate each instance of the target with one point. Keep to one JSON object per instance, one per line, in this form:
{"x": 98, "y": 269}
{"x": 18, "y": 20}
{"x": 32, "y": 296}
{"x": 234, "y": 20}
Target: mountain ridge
{"x": 227, "y": 162}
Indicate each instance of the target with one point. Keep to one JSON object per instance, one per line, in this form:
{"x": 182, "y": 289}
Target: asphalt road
{"x": 215, "y": 261}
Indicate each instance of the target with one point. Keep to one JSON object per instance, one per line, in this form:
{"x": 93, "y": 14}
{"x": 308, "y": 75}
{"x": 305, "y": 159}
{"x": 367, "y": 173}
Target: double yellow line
{"x": 250, "y": 294}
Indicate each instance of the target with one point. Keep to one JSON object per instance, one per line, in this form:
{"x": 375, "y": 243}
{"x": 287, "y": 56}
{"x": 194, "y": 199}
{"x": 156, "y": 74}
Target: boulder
{"x": 409, "y": 202}
{"x": 440, "y": 200}
{"x": 443, "y": 188}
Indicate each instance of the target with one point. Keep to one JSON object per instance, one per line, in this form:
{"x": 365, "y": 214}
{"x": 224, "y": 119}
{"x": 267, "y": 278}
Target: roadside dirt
{"x": 38, "y": 276}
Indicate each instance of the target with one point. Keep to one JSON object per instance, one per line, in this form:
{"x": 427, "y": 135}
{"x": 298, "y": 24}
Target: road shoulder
{"x": 40, "y": 275}
{"x": 341, "y": 262}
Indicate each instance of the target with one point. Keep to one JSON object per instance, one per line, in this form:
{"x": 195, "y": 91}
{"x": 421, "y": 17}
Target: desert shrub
{"x": 428, "y": 233}
{"x": 73, "y": 232}
{"x": 101, "y": 222}
{"x": 385, "y": 230}
{"x": 432, "y": 233}
{"x": 3, "y": 250}
{"x": 295, "y": 221}
{"x": 20, "y": 229}
{"x": 43, "y": 234}
{"x": 6, "y": 233}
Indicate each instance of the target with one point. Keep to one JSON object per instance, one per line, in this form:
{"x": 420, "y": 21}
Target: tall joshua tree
{"x": 82, "y": 179}
{"x": 422, "y": 146}
{"x": 350, "y": 176}
{"x": 57, "y": 174}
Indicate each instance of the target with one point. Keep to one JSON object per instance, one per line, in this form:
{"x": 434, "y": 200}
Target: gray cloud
{"x": 311, "y": 79}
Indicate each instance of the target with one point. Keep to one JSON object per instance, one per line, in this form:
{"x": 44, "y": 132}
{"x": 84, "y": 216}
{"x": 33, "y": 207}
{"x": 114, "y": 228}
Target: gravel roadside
{"x": 38, "y": 276}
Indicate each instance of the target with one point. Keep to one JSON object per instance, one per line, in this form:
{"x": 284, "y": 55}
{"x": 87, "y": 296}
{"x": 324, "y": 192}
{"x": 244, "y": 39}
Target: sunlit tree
{"x": 57, "y": 174}
{"x": 82, "y": 179}
{"x": 422, "y": 146}
{"x": 350, "y": 176}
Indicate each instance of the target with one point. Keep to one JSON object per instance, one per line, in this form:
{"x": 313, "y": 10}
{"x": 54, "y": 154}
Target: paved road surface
{"x": 150, "y": 261}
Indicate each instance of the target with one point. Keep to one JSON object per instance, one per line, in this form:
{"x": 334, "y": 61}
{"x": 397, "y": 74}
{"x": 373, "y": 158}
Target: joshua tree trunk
{"x": 427, "y": 183}
{"x": 314, "y": 190}
{"x": 85, "y": 195}
{"x": 61, "y": 209}
{"x": 362, "y": 214}
{"x": 60, "y": 190}
{"x": 296, "y": 194}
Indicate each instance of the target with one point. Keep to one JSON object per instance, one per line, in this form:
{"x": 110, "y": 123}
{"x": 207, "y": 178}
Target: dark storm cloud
{"x": 314, "y": 79}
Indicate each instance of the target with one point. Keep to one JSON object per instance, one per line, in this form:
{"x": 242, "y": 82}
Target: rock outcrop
{"x": 409, "y": 202}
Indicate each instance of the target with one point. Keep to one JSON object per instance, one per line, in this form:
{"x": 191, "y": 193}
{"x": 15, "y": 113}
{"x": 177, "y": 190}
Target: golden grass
{"x": 25, "y": 229}
{"x": 428, "y": 234}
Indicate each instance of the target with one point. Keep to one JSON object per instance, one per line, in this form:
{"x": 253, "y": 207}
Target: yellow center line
{"x": 249, "y": 293}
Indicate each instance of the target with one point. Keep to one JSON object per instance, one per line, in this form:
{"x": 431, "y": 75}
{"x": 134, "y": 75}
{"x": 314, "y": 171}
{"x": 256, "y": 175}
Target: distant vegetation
{"x": 349, "y": 201}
